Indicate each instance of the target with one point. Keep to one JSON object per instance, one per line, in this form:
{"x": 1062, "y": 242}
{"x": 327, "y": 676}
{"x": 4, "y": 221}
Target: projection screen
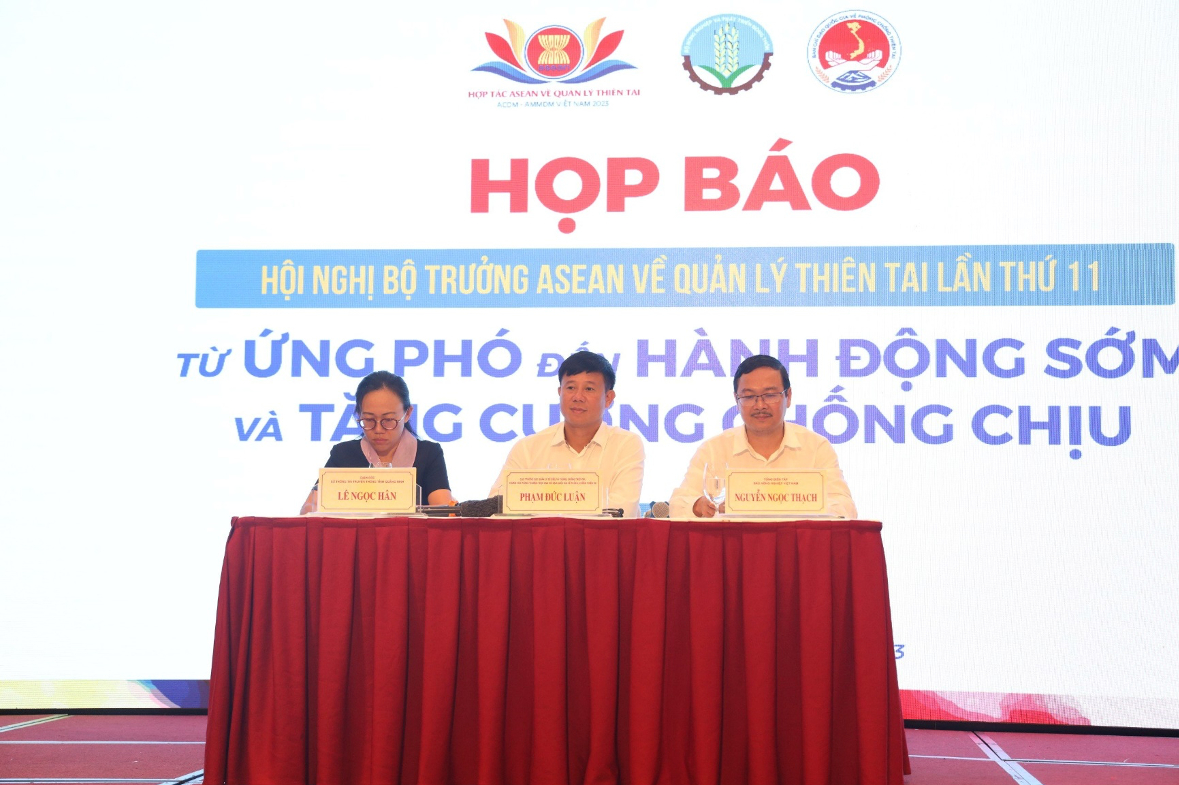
{"x": 955, "y": 225}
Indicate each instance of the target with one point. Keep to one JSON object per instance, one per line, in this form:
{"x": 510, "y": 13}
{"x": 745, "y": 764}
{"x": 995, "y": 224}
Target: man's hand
{"x": 703, "y": 508}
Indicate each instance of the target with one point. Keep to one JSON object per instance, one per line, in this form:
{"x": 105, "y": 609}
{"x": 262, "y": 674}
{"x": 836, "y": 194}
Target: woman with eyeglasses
{"x": 382, "y": 410}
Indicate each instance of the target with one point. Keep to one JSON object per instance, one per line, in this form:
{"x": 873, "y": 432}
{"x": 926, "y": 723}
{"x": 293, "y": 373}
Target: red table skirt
{"x": 553, "y": 651}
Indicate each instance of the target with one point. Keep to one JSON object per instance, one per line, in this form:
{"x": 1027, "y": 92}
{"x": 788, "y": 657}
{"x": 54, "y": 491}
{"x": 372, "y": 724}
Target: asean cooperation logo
{"x": 854, "y": 51}
{"x": 554, "y": 53}
{"x": 726, "y": 54}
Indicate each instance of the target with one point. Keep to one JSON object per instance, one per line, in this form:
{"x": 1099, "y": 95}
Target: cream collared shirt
{"x": 616, "y": 455}
{"x": 800, "y": 449}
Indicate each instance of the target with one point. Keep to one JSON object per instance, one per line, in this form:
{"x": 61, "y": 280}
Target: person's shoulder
{"x": 350, "y": 447}
{"x": 624, "y": 436}
{"x": 548, "y": 432}
{"x": 523, "y": 452}
{"x": 429, "y": 449}
{"x": 543, "y": 436}
{"x": 725, "y": 438}
{"x": 805, "y": 435}
{"x": 347, "y": 455}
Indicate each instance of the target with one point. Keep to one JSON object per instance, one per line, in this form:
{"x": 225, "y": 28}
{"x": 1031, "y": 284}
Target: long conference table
{"x": 553, "y": 651}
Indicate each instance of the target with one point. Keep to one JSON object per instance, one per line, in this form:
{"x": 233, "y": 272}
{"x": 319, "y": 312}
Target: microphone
{"x": 481, "y": 508}
{"x": 659, "y": 510}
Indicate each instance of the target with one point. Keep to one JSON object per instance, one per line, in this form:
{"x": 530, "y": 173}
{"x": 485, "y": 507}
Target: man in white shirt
{"x": 764, "y": 441}
{"x": 582, "y": 441}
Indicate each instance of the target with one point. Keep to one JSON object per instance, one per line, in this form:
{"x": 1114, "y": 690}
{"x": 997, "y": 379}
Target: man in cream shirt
{"x": 764, "y": 441}
{"x": 582, "y": 441}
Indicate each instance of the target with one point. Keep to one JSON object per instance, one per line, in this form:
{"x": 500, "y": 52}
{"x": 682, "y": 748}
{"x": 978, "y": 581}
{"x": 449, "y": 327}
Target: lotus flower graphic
{"x": 553, "y": 54}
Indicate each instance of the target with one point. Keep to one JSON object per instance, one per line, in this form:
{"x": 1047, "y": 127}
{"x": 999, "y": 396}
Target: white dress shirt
{"x": 616, "y": 455}
{"x": 800, "y": 449}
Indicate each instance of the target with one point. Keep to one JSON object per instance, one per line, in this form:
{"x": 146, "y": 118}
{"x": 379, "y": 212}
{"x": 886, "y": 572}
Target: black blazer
{"x": 429, "y": 462}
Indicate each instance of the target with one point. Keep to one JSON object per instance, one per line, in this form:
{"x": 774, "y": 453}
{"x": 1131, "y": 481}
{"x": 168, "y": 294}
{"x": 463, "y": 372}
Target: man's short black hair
{"x": 760, "y": 361}
{"x": 586, "y": 362}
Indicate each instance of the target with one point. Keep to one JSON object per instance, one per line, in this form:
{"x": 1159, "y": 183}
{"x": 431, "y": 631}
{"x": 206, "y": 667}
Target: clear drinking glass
{"x": 714, "y": 482}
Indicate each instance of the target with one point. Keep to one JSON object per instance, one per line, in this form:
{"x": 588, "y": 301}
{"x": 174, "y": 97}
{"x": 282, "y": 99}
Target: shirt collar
{"x": 601, "y": 436}
{"x": 789, "y": 440}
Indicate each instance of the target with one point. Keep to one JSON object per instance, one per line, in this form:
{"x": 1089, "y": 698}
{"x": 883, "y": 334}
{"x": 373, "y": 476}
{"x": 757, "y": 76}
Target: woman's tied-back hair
{"x": 378, "y": 380}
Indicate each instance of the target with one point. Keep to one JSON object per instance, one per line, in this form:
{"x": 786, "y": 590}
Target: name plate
{"x": 774, "y": 492}
{"x": 552, "y": 493}
{"x": 392, "y": 491}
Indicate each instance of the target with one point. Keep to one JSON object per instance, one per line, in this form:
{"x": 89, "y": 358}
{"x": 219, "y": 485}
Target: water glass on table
{"x": 715, "y": 477}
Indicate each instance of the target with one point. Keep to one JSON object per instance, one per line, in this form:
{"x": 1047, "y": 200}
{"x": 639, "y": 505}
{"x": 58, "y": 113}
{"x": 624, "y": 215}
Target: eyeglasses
{"x": 388, "y": 423}
{"x": 766, "y": 398}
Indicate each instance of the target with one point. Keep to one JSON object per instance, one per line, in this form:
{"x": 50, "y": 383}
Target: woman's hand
{"x": 441, "y": 496}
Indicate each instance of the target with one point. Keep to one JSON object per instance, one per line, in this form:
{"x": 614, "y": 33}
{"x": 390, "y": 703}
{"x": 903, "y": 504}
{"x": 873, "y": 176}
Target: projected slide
{"x": 955, "y": 226}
